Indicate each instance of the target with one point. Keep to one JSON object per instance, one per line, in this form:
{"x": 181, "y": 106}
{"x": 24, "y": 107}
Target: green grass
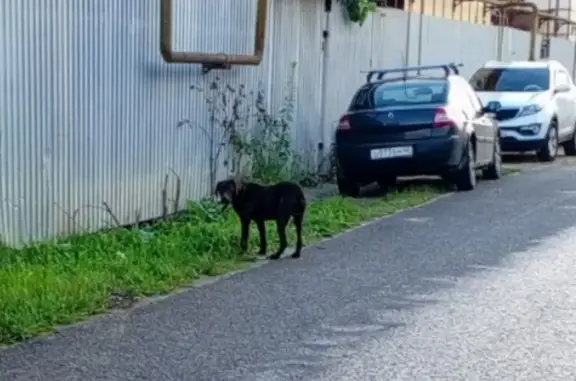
{"x": 510, "y": 170}
{"x": 57, "y": 283}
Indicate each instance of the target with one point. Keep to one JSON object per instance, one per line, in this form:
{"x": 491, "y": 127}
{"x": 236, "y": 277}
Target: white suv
{"x": 534, "y": 102}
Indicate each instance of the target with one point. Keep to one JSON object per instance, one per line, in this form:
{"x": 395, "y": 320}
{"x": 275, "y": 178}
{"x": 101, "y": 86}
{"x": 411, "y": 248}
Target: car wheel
{"x": 570, "y": 145}
{"x": 466, "y": 174}
{"x": 346, "y": 187}
{"x": 494, "y": 170}
{"x": 386, "y": 182}
{"x": 550, "y": 149}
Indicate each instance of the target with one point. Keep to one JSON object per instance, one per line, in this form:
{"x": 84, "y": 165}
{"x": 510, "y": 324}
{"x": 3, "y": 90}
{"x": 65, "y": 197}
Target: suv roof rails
{"x": 448, "y": 68}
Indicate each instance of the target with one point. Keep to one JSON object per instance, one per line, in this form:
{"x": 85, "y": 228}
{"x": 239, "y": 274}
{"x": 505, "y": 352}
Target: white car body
{"x": 525, "y": 116}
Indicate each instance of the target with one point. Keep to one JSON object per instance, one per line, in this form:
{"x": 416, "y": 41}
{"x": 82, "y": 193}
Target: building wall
{"x": 469, "y": 11}
{"x": 562, "y": 8}
{"x": 90, "y": 110}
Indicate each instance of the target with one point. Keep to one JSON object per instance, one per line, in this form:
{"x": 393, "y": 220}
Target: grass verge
{"x": 510, "y": 170}
{"x": 51, "y": 284}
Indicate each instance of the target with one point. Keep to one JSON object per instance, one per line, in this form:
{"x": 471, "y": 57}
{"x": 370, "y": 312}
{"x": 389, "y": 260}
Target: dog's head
{"x": 227, "y": 190}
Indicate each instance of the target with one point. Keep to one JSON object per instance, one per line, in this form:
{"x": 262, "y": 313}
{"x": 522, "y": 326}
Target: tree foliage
{"x": 358, "y": 10}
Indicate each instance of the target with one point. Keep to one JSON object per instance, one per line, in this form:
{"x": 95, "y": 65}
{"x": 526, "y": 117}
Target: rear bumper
{"x": 431, "y": 156}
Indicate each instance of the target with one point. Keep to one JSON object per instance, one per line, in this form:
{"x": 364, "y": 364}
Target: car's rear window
{"x": 409, "y": 93}
{"x": 511, "y": 79}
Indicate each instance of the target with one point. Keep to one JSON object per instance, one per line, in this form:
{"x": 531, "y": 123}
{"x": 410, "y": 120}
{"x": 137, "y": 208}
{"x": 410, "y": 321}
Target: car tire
{"x": 465, "y": 177}
{"x": 346, "y": 187}
{"x": 550, "y": 150}
{"x": 386, "y": 182}
{"x": 494, "y": 169}
{"x": 570, "y": 145}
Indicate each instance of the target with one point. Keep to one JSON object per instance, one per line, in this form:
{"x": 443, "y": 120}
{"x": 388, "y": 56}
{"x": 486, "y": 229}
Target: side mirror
{"x": 492, "y": 107}
{"x": 562, "y": 88}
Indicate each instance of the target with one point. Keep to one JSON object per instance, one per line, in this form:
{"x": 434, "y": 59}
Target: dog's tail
{"x": 300, "y": 203}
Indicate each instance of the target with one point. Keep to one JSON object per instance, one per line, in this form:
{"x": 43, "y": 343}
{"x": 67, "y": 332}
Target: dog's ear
{"x": 238, "y": 184}
{"x": 218, "y": 188}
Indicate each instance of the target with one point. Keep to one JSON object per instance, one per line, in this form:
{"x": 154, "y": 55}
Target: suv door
{"x": 563, "y": 104}
{"x": 571, "y": 95}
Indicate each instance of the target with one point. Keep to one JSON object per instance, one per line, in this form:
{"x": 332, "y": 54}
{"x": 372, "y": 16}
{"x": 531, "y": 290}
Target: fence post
{"x": 324, "y": 85}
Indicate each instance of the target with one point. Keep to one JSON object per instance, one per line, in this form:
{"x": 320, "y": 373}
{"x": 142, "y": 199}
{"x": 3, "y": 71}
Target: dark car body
{"x": 412, "y": 126}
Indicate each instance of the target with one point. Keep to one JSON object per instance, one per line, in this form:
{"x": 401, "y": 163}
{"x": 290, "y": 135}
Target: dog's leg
{"x": 281, "y": 226}
{"x": 298, "y": 223}
{"x": 262, "y": 231}
{"x": 244, "y": 237}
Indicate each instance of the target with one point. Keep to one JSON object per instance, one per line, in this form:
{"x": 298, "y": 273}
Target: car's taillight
{"x": 441, "y": 119}
{"x": 344, "y": 123}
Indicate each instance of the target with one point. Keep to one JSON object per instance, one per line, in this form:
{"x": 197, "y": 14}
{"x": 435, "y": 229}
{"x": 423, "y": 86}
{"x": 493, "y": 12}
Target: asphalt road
{"x": 476, "y": 286}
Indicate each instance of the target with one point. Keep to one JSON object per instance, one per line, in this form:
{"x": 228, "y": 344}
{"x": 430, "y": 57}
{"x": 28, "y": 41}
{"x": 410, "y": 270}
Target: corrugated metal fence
{"x": 89, "y": 110}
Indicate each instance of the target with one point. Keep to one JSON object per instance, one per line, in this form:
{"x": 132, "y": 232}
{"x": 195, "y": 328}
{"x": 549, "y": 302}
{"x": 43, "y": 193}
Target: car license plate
{"x": 392, "y": 152}
{"x": 505, "y": 133}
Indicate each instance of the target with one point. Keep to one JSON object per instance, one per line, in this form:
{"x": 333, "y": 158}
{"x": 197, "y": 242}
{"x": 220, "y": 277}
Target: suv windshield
{"x": 401, "y": 93}
{"x": 511, "y": 79}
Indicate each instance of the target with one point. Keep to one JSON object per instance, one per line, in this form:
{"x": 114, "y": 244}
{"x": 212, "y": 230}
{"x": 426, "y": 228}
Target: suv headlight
{"x": 529, "y": 110}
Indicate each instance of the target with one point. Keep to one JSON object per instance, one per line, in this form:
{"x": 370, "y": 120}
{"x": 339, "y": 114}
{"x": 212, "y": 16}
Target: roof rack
{"x": 446, "y": 67}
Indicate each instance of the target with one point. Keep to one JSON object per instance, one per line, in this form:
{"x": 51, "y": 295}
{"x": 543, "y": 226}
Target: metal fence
{"x": 90, "y": 108}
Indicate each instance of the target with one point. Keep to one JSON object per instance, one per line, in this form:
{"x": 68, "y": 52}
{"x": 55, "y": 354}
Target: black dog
{"x": 254, "y": 202}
